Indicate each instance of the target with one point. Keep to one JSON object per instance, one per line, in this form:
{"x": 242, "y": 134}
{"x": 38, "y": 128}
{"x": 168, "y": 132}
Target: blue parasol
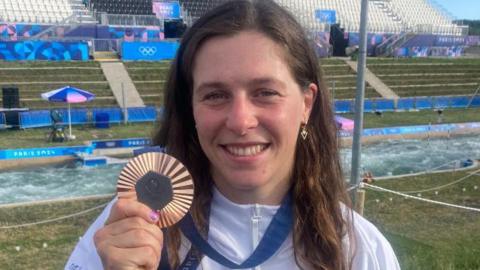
{"x": 68, "y": 94}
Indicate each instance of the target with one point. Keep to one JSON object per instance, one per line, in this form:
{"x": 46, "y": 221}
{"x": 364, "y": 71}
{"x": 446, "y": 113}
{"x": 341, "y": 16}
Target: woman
{"x": 248, "y": 113}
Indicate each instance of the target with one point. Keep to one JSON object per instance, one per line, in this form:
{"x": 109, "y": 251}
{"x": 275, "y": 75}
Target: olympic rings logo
{"x": 147, "y": 51}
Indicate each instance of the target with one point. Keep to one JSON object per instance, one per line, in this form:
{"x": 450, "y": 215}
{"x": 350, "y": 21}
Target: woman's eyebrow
{"x": 266, "y": 80}
{"x": 210, "y": 85}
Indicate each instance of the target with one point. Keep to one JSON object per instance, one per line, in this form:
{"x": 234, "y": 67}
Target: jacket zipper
{"x": 256, "y": 229}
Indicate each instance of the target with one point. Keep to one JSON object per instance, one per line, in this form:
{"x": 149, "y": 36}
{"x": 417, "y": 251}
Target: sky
{"x": 462, "y": 9}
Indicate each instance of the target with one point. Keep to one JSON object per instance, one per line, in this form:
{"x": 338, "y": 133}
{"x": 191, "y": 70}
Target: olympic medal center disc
{"x": 161, "y": 182}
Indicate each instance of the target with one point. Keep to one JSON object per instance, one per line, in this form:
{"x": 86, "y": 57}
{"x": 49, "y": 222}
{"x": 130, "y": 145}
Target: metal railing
{"x": 128, "y": 20}
{"x": 105, "y": 45}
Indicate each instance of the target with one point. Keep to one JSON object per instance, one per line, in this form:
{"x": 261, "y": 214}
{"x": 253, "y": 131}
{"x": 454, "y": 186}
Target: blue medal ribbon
{"x": 276, "y": 233}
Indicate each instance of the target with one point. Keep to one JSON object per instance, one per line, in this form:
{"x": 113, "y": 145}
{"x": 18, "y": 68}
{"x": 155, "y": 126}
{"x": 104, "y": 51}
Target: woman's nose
{"x": 241, "y": 115}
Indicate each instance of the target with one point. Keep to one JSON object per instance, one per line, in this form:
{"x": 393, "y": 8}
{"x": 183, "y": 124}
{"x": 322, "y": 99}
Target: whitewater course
{"x": 39, "y": 174}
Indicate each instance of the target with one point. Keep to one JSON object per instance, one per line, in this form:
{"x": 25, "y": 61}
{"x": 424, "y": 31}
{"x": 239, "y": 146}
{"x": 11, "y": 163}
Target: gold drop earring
{"x": 304, "y": 132}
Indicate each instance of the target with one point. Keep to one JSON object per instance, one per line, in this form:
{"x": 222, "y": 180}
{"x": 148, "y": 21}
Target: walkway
{"x": 375, "y": 82}
{"x": 121, "y": 84}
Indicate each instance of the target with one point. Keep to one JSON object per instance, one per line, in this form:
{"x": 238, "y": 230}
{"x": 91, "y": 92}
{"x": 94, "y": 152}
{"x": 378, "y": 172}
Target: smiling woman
{"x": 248, "y": 114}
{"x": 248, "y": 110}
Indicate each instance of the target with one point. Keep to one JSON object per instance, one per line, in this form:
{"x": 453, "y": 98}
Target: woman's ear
{"x": 309, "y": 95}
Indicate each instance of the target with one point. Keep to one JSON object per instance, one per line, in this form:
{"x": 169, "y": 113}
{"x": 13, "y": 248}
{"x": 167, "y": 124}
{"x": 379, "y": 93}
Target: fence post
{"x": 360, "y": 201}
{"x": 125, "y": 112}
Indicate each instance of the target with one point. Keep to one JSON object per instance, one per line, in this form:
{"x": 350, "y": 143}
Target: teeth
{"x": 246, "y": 151}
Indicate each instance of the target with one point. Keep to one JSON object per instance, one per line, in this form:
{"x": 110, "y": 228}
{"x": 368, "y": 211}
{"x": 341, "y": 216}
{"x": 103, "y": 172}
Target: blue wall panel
{"x": 405, "y": 104}
{"x": 441, "y": 102}
{"x": 43, "y": 50}
{"x": 475, "y": 102}
{"x": 459, "y": 102}
{"x": 369, "y": 105}
{"x": 150, "y": 51}
{"x": 423, "y": 103}
{"x": 343, "y": 106}
{"x": 384, "y": 105}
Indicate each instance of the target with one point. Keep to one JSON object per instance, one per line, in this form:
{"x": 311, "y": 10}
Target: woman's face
{"x": 248, "y": 110}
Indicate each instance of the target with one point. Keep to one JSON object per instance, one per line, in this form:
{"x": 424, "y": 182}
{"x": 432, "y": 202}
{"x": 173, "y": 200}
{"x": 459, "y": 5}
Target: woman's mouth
{"x": 245, "y": 151}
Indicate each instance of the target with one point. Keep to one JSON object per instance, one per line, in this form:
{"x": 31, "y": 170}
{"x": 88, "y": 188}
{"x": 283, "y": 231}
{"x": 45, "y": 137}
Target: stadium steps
{"x": 149, "y": 79}
{"x": 36, "y": 77}
{"x": 83, "y": 14}
{"x": 105, "y": 56}
{"x": 121, "y": 84}
{"x": 428, "y": 76}
{"x": 375, "y": 82}
{"x": 340, "y": 79}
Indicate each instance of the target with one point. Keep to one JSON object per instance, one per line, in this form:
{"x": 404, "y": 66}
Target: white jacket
{"x": 235, "y": 230}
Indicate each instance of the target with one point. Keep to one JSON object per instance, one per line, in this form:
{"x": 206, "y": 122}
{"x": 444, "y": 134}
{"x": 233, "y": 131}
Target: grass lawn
{"x": 427, "y": 236}
{"x": 37, "y": 137}
{"x": 60, "y": 237}
{"x": 424, "y": 236}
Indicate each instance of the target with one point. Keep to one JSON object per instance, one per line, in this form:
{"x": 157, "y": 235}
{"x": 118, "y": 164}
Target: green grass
{"x": 427, "y": 236}
{"x": 59, "y": 236}
{"x": 424, "y": 117}
{"x": 28, "y": 138}
{"x": 424, "y": 236}
{"x": 37, "y": 64}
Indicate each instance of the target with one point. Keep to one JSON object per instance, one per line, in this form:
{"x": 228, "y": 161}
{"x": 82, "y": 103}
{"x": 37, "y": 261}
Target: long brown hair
{"x": 318, "y": 186}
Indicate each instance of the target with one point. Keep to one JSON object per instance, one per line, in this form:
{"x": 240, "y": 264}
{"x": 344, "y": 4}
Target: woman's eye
{"x": 267, "y": 93}
{"x": 214, "y": 96}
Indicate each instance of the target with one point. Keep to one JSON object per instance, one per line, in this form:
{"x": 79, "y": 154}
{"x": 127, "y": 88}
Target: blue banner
{"x": 135, "y": 142}
{"x": 167, "y": 10}
{"x": 44, "y": 152}
{"x": 150, "y": 51}
{"x": 43, "y": 50}
{"x": 326, "y": 16}
{"x": 420, "y": 129}
{"x": 73, "y": 150}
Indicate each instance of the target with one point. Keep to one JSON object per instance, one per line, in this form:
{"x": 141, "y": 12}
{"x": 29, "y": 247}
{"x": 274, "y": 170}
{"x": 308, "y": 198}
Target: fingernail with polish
{"x": 154, "y": 216}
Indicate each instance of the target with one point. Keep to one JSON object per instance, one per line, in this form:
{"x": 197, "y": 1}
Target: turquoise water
{"x": 391, "y": 157}
{"x": 49, "y": 182}
{"x": 396, "y": 157}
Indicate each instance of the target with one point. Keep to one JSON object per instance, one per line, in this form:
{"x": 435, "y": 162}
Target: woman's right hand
{"x": 130, "y": 238}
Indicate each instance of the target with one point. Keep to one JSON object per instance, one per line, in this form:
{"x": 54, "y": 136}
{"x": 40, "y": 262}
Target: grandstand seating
{"x": 348, "y": 14}
{"x": 149, "y": 79}
{"x": 196, "y": 8}
{"x": 34, "y": 78}
{"x": 341, "y": 80}
{"x": 428, "y": 76}
{"x": 419, "y": 14}
{"x": 138, "y": 7}
{"x": 385, "y": 16}
{"x": 35, "y": 11}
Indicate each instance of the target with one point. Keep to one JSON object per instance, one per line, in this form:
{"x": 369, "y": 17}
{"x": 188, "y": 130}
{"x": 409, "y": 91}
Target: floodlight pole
{"x": 359, "y": 100}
